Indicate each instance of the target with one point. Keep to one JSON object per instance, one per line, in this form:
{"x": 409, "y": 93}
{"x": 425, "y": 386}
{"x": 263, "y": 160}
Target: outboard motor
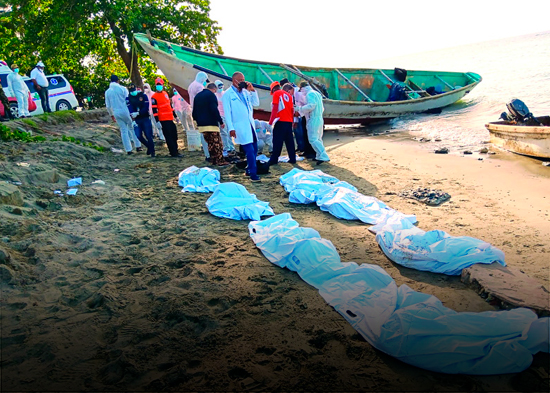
{"x": 519, "y": 113}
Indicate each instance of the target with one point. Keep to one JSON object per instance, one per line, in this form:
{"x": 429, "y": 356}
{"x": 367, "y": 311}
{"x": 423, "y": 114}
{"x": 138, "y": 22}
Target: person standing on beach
{"x": 282, "y": 117}
{"x": 228, "y": 146}
{"x": 313, "y": 110}
{"x": 238, "y": 102}
{"x": 195, "y": 88}
{"x": 157, "y": 128}
{"x": 41, "y": 84}
{"x": 163, "y": 113}
{"x": 19, "y": 90}
{"x": 209, "y": 121}
{"x": 182, "y": 109}
{"x": 264, "y": 135}
{"x": 115, "y": 101}
{"x": 300, "y": 100}
{"x": 138, "y": 106}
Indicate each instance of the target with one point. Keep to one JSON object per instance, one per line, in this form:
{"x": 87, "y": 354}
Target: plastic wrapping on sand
{"x": 337, "y": 197}
{"x": 411, "y": 326}
{"x": 232, "y": 200}
{"x": 194, "y": 179}
{"x": 434, "y": 251}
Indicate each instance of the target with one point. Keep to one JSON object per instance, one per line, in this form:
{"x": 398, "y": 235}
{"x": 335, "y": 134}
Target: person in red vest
{"x": 163, "y": 113}
{"x": 282, "y": 117}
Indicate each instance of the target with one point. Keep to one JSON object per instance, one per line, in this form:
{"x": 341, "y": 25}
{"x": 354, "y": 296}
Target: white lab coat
{"x": 18, "y": 89}
{"x": 238, "y": 116}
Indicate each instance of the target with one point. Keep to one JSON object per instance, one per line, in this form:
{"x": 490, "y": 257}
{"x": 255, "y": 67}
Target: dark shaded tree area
{"x": 89, "y": 40}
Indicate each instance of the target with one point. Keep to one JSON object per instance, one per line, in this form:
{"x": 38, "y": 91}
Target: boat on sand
{"x": 351, "y": 95}
{"x": 529, "y": 140}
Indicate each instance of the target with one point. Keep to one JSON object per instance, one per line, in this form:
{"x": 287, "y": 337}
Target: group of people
{"x": 223, "y": 118}
{"x": 19, "y": 89}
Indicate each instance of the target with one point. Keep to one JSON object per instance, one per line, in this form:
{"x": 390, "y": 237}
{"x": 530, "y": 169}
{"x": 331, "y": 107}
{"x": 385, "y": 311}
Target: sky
{"x": 350, "y": 33}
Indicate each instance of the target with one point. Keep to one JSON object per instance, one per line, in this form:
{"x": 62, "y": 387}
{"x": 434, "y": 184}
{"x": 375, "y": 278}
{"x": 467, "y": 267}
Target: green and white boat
{"x": 353, "y": 95}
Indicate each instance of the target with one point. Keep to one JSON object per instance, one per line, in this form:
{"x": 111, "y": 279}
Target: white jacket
{"x": 238, "y": 116}
{"x": 115, "y": 100}
{"x": 16, "y": 84}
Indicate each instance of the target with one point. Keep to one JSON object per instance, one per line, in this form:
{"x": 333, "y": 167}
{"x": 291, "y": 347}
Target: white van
{"x": 60, "y": 91}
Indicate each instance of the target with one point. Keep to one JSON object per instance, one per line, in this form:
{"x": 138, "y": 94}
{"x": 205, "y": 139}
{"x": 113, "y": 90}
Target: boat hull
{"x": 181, "y": 73}
{"x": 528, "y": 141}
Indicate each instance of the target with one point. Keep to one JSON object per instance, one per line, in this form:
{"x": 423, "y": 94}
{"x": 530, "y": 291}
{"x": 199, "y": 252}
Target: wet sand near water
{"x": 135, "y": 286}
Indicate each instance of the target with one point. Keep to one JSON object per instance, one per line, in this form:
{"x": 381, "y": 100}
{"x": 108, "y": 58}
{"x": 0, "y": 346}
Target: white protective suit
{"x": 195, "y": 88}
{"x": 20, "y": 91}
{"x": 264, "y": 133}
{"x": 157, "y": 129}
{"x": 115, "y": 101}
{"x": 183, "y": 111}
{"x": 313, "y": 111}
{"x": 227, "y": 142}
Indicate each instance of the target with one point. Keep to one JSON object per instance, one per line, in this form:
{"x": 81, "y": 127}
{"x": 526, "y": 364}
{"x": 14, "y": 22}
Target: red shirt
{"x": 283, "y": 107}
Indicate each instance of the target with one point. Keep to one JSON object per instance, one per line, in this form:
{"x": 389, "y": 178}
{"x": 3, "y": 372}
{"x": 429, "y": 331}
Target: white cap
{"x": 40, "y": 64}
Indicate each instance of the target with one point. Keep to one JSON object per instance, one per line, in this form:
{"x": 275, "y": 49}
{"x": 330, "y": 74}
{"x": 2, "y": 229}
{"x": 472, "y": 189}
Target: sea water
{"x": 517, "y": 67}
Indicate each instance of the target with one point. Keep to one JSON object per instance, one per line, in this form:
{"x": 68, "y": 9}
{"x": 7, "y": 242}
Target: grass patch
{"x": 7, "y": 134}
{"x": 30, "y": 122}
{"x": 64, "y": 116}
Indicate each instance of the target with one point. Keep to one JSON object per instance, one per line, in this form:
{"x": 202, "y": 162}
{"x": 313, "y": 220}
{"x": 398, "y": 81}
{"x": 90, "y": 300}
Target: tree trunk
{"x": 131, "y": 62}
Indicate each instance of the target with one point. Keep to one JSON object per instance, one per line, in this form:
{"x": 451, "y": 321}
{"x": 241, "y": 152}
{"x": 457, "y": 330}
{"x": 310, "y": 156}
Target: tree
{"x": 88, "y": 40}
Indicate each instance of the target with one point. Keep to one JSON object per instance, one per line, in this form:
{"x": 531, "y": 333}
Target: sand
{"x": 135, "y": 286}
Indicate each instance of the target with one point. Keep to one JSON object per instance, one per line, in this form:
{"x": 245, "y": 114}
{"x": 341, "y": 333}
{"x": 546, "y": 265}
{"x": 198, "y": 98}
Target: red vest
{"x": 162, "y": 110}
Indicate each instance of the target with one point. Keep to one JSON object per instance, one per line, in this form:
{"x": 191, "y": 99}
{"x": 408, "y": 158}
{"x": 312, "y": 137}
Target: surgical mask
{"x": 134, "y": 93}
{"x": 204, "y": 83}
{"x": 159, "y": 87}
{"x": 242, "y": 85}
{"x": 175, "y": 92}
{"x": 220, "y": 88}
{"x": 16, "y": 70}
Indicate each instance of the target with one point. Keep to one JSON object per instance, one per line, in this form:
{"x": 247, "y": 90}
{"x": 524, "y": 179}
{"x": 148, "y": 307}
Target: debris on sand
{"x": 426, "y": 195}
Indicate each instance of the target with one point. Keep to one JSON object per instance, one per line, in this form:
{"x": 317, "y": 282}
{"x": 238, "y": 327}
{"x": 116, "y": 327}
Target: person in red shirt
{"x": 163, "y": 113}
{"x": 282, "y": 117}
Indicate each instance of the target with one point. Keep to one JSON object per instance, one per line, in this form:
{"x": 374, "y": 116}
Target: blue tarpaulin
{"x": 194, "y": 179}
{"x": 434, "y": 251}
{"x": 411, "y": 326}
{"x": 232, "y": 200}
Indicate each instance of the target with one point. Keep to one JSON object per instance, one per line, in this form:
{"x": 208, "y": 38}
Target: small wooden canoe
{"x": 355, "y": 95}
{"x": 526, "y": 140}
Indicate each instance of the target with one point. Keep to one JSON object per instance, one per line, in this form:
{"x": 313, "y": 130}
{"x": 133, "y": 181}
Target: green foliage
{"x": 88, "y": 40}
{"x": 81, "y": 142}
{"x": 7, "y": 134}
{"x": 29, "y": 122}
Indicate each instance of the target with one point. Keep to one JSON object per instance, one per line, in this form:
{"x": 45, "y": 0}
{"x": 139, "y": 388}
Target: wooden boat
{"x": 526, "y": 140}
{"x": 355, "y": 95}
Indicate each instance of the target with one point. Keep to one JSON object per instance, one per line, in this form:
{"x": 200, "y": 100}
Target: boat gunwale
{"x": 142, "y": 38}
{"x": 512, "y": 129}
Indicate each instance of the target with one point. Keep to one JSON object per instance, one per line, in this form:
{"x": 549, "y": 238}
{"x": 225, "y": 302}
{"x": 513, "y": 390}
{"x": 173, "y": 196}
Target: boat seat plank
{"x": 445, "y": 82}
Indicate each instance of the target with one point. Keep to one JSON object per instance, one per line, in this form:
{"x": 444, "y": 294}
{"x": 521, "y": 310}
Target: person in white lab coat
{"x": 238, "y": 102}
{"x": 19, "y": 90}
{"x": 115, "y": 101}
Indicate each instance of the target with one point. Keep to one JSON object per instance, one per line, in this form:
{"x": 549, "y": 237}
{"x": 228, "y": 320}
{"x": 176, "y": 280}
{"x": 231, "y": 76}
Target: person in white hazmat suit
{"x": 264, "y": 135}
{"x": 157, "y": 128}
{"x": 115, "y": 101}
{"x": 313, "y": 111}
{"x": 19, "y": 90}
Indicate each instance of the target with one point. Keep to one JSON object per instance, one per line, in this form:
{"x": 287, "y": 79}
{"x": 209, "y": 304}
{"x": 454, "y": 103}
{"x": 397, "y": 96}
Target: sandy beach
{"x": 134, "y": 285}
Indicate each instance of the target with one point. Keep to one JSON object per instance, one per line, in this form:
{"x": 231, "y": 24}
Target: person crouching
{"x": 208, "y": 118}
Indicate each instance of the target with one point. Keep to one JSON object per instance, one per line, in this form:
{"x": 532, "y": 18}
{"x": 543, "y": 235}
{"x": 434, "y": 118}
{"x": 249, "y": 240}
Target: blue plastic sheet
{"x": 434, "y": 251}
{"x": 232, "y": 200}
{"x": 194, "y": 179}
{"x": 411, "y": 326}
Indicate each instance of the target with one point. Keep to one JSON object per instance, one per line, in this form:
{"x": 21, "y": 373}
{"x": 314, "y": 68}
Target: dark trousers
{"x": 308, "y": 149}
{"x": 282, "y": 132}
{"x": 299, "y": 135}
{"x": 44, "y": 99}
{"x": 171, "y": 134}
{"x": 144, "y": 127}
{"x": 251, "y": 151}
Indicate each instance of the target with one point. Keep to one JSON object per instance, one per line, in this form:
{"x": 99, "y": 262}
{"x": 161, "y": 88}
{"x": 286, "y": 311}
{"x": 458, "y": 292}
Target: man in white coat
{"x": 115, "y": 101}
{"x": 238, "y": 102}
